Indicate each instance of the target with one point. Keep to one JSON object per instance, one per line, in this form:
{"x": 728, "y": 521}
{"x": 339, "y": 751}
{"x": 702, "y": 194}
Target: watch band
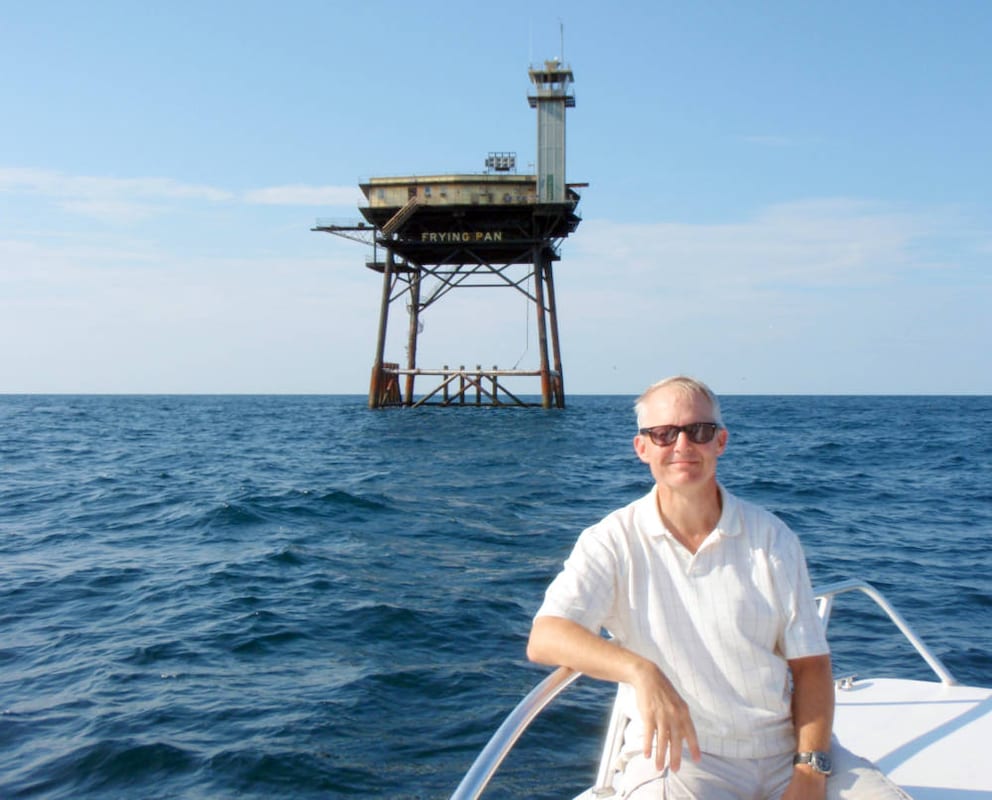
{"x": 817, "y": 760}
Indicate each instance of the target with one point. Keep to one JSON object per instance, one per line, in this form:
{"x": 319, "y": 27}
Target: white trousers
{"x": 718, "y": 778}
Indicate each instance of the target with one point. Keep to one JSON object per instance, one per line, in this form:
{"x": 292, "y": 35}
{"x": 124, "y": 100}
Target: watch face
{"x": 817, "y": 760}
{"x": 820, "y": 762}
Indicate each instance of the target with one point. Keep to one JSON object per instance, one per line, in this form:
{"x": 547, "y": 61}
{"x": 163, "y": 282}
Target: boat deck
{"x": 928, "y": 737}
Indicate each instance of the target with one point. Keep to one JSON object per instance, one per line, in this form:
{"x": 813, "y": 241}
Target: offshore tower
{"x": 497, "y": 229}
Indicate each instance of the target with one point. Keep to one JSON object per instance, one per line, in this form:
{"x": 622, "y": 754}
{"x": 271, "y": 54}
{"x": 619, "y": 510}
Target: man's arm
{"x": 813, "y": 717}
{"x": 560, "y": 642}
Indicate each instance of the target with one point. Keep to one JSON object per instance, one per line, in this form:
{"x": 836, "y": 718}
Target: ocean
{"x": 272, "y": 596}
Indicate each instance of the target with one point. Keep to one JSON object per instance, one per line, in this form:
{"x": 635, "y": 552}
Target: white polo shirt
{"x": 720, "y": 623}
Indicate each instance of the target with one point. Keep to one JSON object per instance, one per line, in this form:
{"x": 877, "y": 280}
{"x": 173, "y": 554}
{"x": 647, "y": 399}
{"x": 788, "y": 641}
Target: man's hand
{"x": 666, "y": 718}
{"x": 806, "y": 784}
{"x": 667, "y": 723}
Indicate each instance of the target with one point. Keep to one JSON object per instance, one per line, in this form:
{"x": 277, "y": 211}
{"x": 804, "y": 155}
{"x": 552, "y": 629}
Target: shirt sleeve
{"x": 585, "y": 590}
{"x": 803, "y": 634}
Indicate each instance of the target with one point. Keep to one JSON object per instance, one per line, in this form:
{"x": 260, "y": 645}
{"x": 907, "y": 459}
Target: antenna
{"x": 561, "y": 26}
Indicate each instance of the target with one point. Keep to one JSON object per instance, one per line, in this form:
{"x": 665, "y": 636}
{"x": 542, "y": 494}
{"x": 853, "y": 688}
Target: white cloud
{"x": 822, "y": 295}
{"x": 303, "y": 195}
{"x": 59, "y": 185}
{"x": 132, "y": 199}
{"x": 106, "y": 198}
{"x": 811, "y": 244}
{"x": 92, "y": 315}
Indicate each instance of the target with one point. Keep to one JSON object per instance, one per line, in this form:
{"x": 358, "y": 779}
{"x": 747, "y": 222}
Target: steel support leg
{"x": 377, "y": 384}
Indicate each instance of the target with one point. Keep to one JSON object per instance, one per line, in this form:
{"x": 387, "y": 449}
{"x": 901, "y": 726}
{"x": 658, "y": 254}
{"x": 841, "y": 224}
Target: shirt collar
{"x": 727, "y": 525}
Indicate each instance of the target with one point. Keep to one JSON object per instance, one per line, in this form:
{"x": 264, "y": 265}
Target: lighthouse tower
{"x": 552, "y": 85}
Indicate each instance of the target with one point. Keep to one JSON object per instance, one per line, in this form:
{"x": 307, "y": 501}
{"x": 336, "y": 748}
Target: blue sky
{"x": 784, "y": 197}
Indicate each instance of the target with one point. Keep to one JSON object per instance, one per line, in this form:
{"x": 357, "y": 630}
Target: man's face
{"x": 683, "y": 464}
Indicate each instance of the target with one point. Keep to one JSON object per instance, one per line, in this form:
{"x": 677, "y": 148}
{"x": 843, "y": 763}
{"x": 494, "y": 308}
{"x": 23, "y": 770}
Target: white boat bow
{"x": 929, "y": 737}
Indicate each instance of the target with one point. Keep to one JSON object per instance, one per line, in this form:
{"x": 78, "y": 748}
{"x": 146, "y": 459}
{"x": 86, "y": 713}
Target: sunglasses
{"x": 698, "y": 432}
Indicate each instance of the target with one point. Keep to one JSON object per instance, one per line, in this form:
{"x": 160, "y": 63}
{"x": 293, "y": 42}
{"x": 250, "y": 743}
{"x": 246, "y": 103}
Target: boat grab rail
{"x": 499, "y": 745}
{"x": 492, "y": 755}
{"x": 825, "y": 598}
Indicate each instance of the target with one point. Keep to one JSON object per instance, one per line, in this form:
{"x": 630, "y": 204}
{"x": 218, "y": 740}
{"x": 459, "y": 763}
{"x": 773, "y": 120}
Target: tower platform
{"x": 431, "y": 219}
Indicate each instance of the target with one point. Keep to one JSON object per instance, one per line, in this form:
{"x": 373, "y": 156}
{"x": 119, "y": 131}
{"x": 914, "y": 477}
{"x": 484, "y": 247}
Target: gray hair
{"x": 687, "y": 387}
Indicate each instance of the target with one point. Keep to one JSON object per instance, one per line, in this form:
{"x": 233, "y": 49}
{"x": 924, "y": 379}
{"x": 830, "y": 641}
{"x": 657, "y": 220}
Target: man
{"x": 709, "y": 603}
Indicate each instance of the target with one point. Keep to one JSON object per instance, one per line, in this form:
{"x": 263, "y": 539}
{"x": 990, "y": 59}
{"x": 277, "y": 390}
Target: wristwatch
{"x": 817, "y": 759}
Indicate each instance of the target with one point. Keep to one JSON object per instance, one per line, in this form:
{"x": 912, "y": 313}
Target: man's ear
{"x": 641, "y": 447}
{"x": 721, "y": 440}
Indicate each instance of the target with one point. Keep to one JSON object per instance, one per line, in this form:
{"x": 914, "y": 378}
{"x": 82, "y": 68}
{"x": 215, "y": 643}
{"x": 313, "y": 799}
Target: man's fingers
{"x": 662, "y": 751}
{"x": 693, "y": 744}
{"x": 675, "y": 759}
{"x": 669, "y": 740}
{"x": 668, "y": 726}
